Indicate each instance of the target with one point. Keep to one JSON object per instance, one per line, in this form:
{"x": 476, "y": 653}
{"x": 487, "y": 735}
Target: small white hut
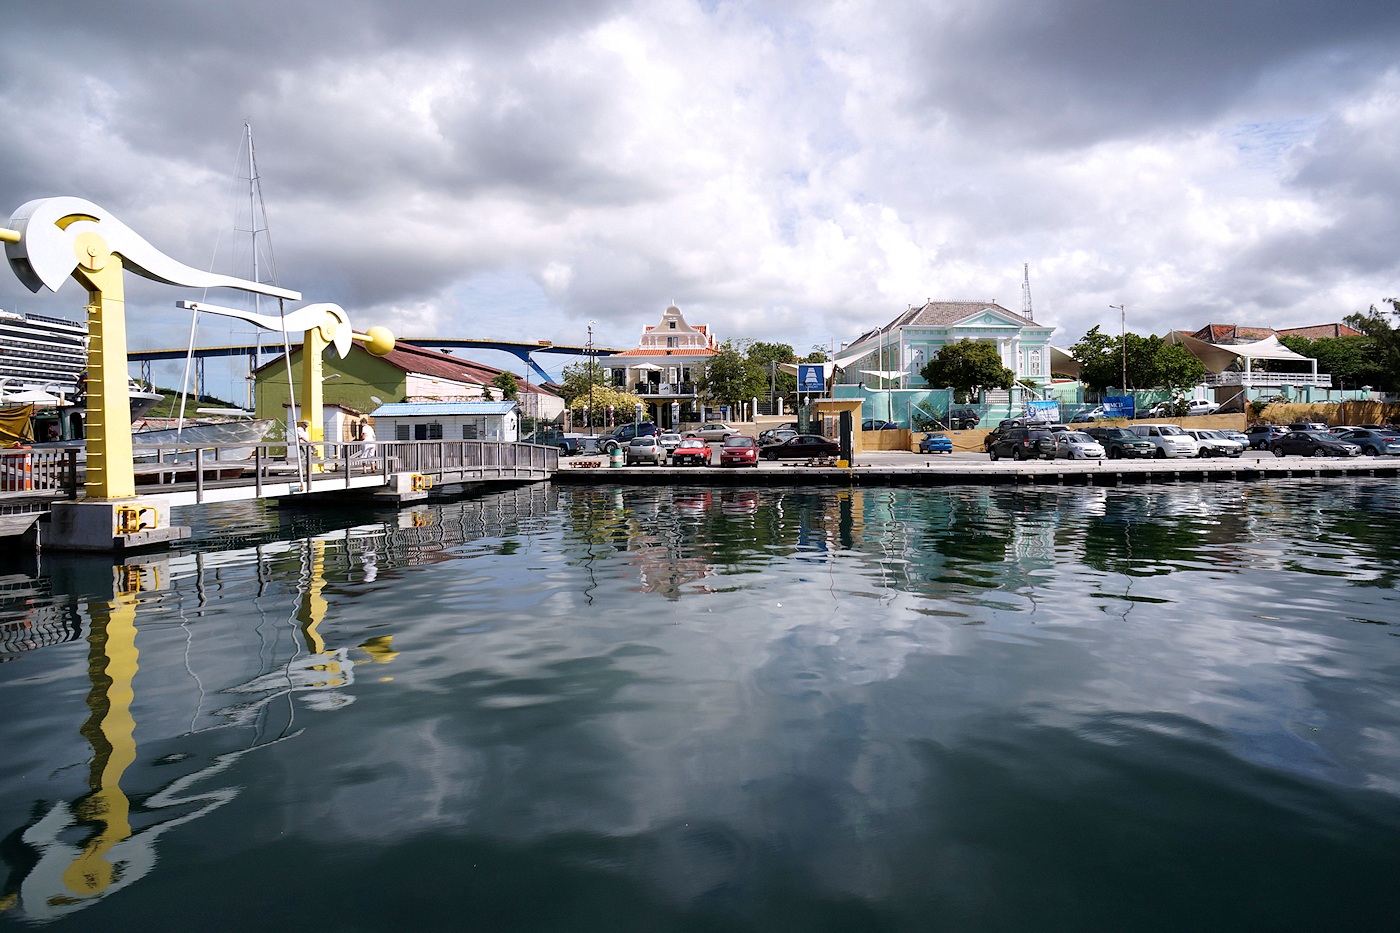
{"x": 452, "y": 421}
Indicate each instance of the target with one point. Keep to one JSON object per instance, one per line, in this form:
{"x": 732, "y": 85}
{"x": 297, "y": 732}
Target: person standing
{"x": 369, "y": 448}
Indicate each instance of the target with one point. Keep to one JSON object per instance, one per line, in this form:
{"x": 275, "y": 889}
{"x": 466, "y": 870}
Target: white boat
{"x": 235, "y": 440}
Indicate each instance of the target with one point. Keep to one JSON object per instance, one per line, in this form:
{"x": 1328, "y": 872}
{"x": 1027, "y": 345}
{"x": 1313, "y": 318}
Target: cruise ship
{"x": 47, "y": 356}
{"x": 41, "y": 353}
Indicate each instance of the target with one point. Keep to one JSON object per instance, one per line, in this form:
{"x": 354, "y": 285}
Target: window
{"x": 671, "y": 324}
{"x": 671, "y": 342}
{"x": 1035, "y": 362}
{"x": 473, "y": 429}
{"x": 401, "y": 432}
{"x": 427, "y": 432}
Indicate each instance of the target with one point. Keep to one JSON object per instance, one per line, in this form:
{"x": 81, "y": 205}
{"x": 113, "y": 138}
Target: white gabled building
{"x": 665, "y": 368}
{"x": 892, "y": 356}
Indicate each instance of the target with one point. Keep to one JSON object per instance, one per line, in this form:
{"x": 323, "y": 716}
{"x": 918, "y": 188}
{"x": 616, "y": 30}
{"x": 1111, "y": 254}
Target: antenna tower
{"x": 1026, "y": 293}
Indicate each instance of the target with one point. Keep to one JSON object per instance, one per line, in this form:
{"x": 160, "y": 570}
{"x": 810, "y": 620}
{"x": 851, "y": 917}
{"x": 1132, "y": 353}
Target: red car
{"x": 739, "y": 450}
{"x": 691, "y": 450}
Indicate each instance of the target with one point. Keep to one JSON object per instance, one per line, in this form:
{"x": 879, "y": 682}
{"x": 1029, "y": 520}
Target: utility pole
{"x": 591, "y": 363}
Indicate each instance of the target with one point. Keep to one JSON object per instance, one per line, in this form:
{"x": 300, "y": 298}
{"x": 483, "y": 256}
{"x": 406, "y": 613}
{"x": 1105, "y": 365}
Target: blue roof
{"x": 431, "y": 409}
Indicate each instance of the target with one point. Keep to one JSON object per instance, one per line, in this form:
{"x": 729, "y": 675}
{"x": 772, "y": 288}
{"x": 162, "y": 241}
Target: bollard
{"x": 617, "y": 458}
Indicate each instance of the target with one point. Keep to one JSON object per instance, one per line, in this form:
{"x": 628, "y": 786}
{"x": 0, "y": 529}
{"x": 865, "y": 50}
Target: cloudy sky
{"x": 793, "y": 171}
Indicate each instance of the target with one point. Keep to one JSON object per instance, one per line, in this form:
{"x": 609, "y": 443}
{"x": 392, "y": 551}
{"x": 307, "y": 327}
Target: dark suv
{"x": 1019, "y": 443}
{"x": 620, "y": 436}
{"x": 1120, "y": 442}
{"x": 963, "y": 419}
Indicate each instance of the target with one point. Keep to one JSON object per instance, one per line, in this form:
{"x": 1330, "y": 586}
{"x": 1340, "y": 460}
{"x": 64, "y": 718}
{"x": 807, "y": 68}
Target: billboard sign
{"x": 1119, "y": 406}
{"x": 810, "y": 378}
{"x": 1043, "y": 412}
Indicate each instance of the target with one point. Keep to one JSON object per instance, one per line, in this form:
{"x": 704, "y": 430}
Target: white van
{"x": 1170, "y": 439}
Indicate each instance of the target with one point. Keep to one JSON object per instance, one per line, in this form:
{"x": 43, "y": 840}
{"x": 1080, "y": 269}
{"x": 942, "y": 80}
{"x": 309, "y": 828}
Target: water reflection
{"x": 78, "y": 850}
{"x": 716, "y": 706}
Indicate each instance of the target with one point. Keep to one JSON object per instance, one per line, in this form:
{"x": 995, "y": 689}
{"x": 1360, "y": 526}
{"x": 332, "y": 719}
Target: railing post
{"x": 257, "y": 469}
{"x": 71, "y": 456}
{"x": 199, "y": 474}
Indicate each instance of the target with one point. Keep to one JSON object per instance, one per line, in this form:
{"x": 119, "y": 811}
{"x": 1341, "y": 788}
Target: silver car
{"x": 1076, "y": 445}
{"x": 712, "y": 431}
{"x": 646, "y": 449}
{"x": 668, "y": 442}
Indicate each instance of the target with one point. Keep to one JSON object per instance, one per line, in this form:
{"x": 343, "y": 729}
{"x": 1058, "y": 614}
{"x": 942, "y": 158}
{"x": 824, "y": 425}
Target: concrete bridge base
{"x": 109, "y": 525}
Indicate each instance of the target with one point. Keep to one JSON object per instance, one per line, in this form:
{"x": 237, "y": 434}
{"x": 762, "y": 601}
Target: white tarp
{"x": 1217, "y": 357}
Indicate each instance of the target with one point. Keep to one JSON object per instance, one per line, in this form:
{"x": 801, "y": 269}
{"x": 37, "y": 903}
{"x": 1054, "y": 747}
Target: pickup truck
{"x": 568, "y": 444}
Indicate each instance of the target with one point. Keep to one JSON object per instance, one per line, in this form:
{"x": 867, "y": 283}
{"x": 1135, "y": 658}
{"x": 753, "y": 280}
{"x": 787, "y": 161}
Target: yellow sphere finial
{"x": 379, "y": 340}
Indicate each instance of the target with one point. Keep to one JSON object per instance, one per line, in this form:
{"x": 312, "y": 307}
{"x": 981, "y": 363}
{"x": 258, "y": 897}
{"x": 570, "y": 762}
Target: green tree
{"x": 765, "y": 357}
{"x": 509, "y": 388}
{"x": 967, "y": 366}
{"x": 730, "y": 378}
{"x": 604, "y": 397}
{"x": 578, "y": 377}
{"x": 1351, "y": 361}
{"x": 818, "y": 355}
{"x": 1151, "y": 362}
{"x": 1385, "y": 342}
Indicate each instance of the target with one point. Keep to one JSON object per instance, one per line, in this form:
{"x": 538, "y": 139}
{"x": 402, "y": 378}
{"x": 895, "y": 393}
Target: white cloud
{"x": 795, "y": 173}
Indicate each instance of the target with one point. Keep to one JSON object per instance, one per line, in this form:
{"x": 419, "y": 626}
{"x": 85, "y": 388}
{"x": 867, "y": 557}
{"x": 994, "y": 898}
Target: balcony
{"x": 667, "y": 389}
{"x": 1269, "y": 380}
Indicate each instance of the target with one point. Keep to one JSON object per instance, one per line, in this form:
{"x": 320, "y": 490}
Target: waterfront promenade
{"x": 898, "y": 467}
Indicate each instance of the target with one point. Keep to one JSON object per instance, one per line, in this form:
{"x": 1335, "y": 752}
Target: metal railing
{"x": 39, "y": 471}
{"x": 55, "y": 472}
{"x": 1273, "y": 380}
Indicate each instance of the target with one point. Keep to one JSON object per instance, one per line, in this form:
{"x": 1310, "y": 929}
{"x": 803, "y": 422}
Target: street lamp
{"x": 1123, "y": 340}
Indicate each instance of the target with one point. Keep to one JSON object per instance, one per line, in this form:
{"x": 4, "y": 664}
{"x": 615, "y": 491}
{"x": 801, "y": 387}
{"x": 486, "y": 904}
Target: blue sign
{"x": 1119, "y": 406}
{"x": 810, "y": 377}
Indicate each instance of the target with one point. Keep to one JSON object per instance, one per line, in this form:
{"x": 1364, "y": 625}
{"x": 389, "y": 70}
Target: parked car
{"x": 935, "y": 443}
{"x": 1261, "y": 435}
{"x": 1169, "y": 439}
{"x": 690, "y": 450}
{"x": 712, "y": 431}
{"x": 1231, "y": 434}
{"x": 1313, "y": 444}
{"x": 776, "y": 435}
{"x": 1185, "y": 408}
{"x": 668, "y": 441}
{"x": 1373, "y": 443}
{"x": 1018, "y": 443}
{"x": 875, "y": 424}
{"x": 802, "y": 446}
{"x": 1006, "y": 424}
{"x": 646, "y": 448}
{"x": 622, "y": 435}
{"x": 1120, "y": 443}
{"x": 1307, "y": 426}
{"x": 962, "y": 419}
{"x": 1093, "y": 414}
{"x": 567, "y": 444}
{"x": 1215, "y": 444}
{"x": 1076, "y": 445}
{"x": 738, "y": 450}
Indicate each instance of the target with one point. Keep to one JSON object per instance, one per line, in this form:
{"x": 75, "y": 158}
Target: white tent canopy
{"x": 1217, "y": 357}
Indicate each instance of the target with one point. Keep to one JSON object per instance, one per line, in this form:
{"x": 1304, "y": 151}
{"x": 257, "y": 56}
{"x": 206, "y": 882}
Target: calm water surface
{"x": 658, "y": 709}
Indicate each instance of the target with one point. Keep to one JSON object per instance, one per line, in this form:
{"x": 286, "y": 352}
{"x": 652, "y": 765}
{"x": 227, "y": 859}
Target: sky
{"x": 795, "y": 172}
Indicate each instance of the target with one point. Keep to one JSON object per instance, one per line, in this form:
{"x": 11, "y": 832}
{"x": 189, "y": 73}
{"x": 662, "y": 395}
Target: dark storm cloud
{"x": 1066, "y": 73}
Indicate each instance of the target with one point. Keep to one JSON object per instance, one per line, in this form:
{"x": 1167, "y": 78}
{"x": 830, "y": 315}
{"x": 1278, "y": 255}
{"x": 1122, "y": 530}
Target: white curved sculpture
{"x": 47, "y": 250}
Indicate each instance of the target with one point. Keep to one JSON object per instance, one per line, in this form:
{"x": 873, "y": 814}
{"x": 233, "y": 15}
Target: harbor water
{"x": 686, "y": 708}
